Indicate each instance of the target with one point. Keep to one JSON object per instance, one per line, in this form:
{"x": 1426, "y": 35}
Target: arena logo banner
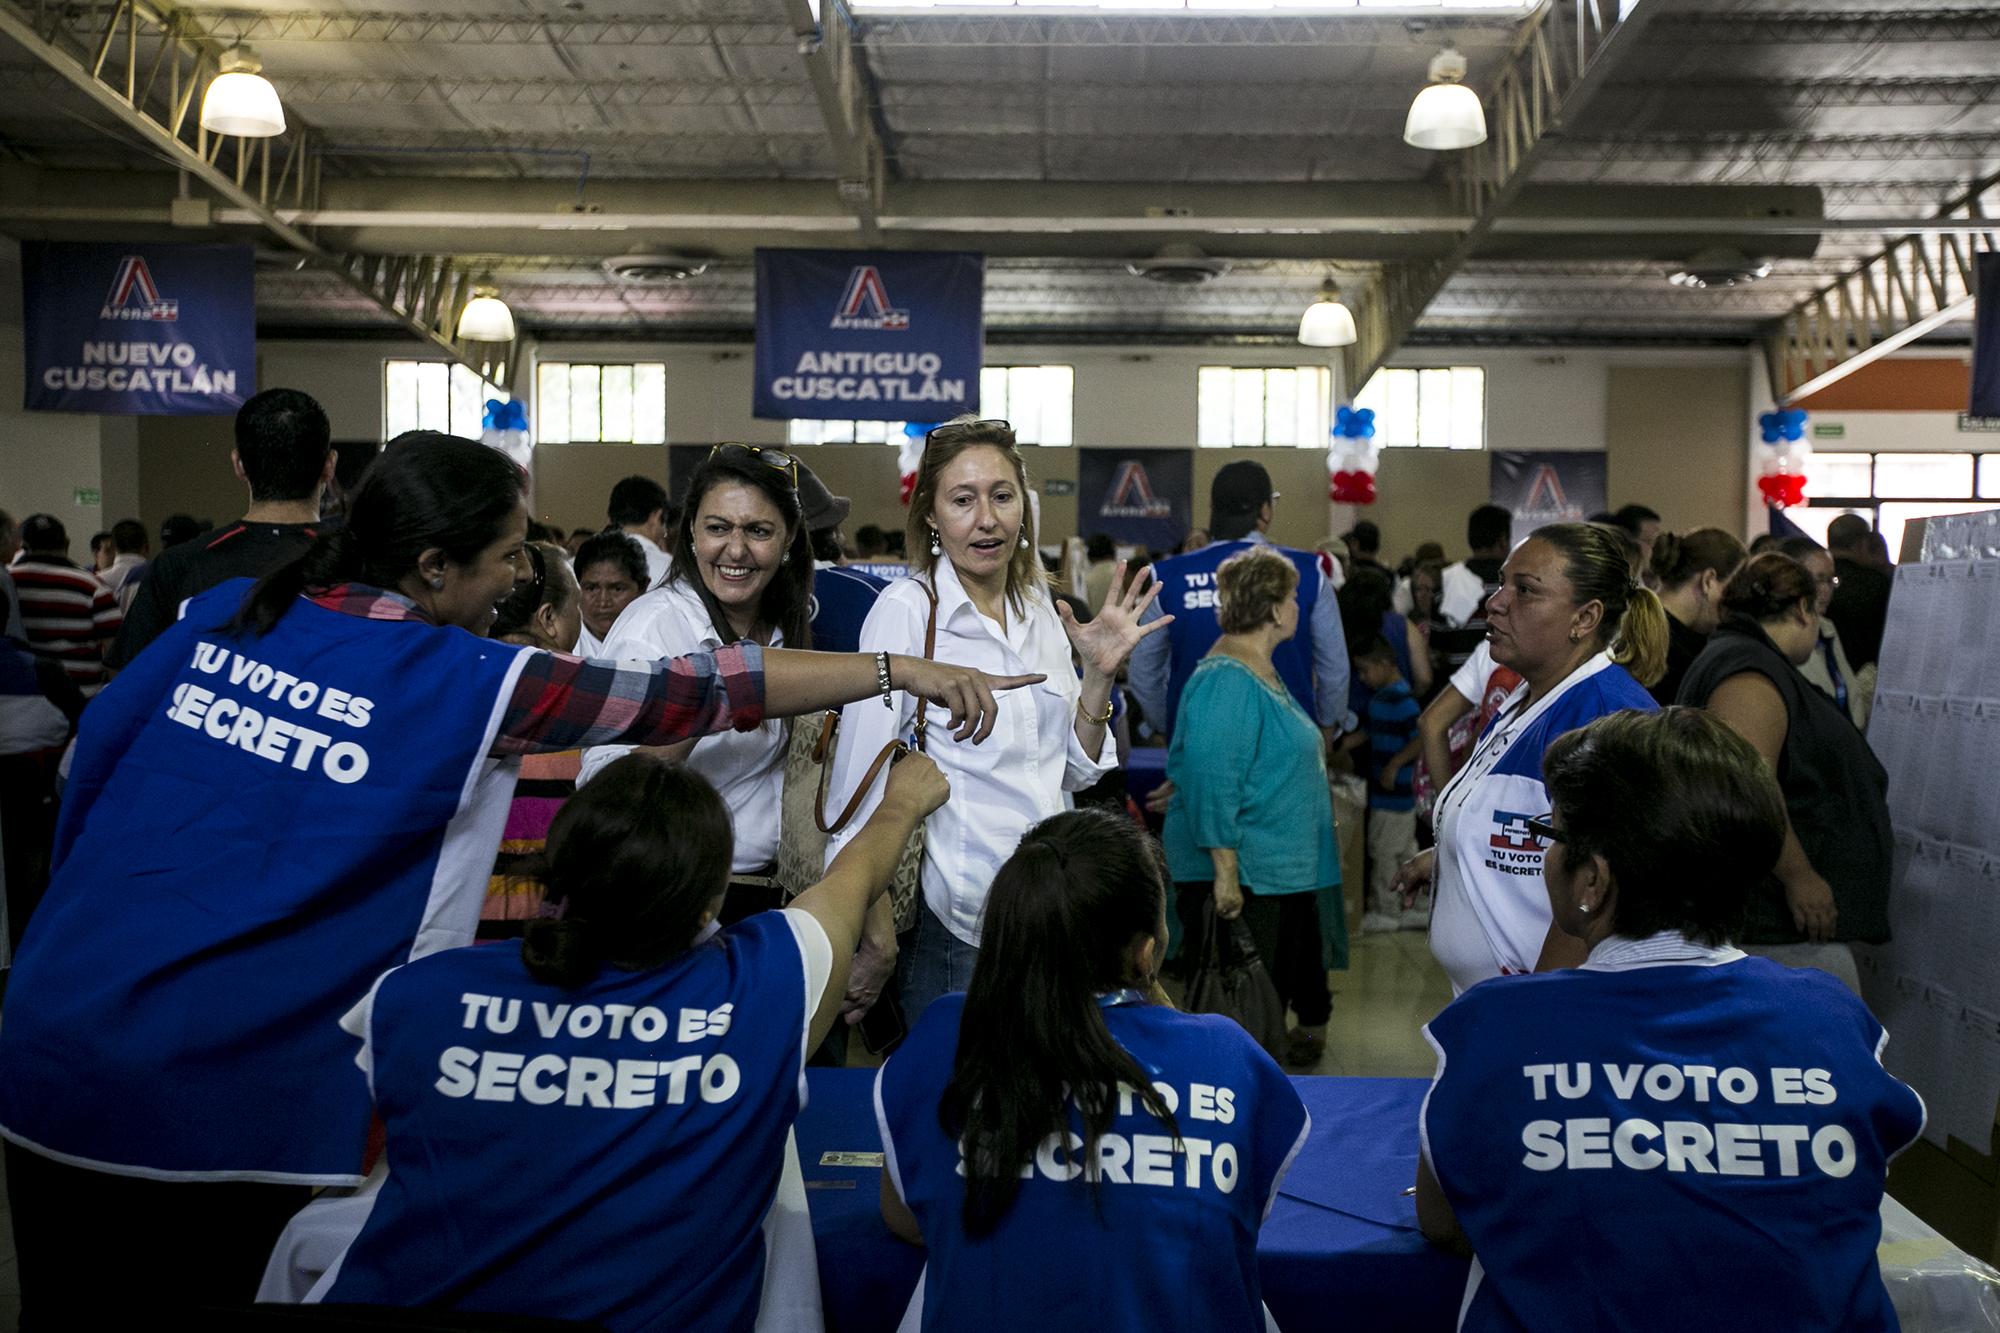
{"x": 1986, "y": 337}
{"x": 869, "y": 335}
{"x": 1551, "y": 486}
{"x": 1141, "y": 497}
{"x": 139, "y": 330}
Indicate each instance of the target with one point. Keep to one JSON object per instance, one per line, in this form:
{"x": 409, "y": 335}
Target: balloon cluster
{"x": 911, "y": 455}
{"x": 505, "y": 427}
{"x": 1781, "y": 468}
{"x": 1351, "y": 461}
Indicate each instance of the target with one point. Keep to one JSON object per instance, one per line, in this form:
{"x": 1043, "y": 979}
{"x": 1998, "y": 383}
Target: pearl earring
{"x": 438, "y": 584}
{"x": 937, "y": 547}
{"x": 1024, "y": 541}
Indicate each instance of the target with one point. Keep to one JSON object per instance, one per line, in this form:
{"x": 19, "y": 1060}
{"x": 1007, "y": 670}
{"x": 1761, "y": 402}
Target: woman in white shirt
{"x": 742, "y": 569}
{"x": 972, "y": 542}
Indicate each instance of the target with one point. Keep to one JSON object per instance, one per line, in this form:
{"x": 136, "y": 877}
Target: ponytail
{"x": 1060, "y": 916}
{"x": 634, "y": 859}
{"x": 333, "y": 558}
{"x": 425, "y": 491}
{"x": 1641, "y": 645}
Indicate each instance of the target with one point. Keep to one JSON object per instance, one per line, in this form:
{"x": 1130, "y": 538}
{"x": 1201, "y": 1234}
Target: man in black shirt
{"x": 1860, "y": 604}
{"x": 283, "y": 454}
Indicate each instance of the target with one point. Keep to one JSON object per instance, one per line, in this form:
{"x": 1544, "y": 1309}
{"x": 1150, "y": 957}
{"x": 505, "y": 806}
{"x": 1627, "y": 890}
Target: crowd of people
{"x": 395, "y": 869}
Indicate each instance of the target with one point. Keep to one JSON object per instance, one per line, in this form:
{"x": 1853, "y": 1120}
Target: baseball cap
{"x": 823, "y": 509}
{"x": 1239, "y": 488}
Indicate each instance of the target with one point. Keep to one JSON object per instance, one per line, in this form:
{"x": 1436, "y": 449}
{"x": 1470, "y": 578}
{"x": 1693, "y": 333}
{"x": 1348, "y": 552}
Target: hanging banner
{"x": 139, "y": 330}
{"x": 1551, "y": 486}
{"x": 1986, "y": 336}
{"x": 1140, "y": 497}
{"x": 869, "y": 335}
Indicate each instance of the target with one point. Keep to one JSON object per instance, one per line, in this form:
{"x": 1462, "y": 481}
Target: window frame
{"x": 1873, "y": 503}
{"x": 540, "y": 408}
{"x": 1382, "y": 438}
{"x": 1317, "y": 431}
{"x": 472, "y": 429}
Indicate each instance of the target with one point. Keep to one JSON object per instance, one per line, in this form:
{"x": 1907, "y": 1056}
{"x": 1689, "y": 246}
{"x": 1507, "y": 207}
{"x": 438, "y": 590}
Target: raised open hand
{"x": 1114, "y": 631}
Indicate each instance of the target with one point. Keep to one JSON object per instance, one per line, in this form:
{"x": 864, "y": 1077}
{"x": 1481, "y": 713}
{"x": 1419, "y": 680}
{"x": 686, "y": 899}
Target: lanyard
{"x": 1833, "y": 674}
{"x": 1111, "y": 999}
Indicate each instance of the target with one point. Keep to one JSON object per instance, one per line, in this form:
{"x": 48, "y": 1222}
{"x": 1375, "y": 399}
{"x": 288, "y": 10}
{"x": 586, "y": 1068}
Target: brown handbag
{"x": 906, "y": 886}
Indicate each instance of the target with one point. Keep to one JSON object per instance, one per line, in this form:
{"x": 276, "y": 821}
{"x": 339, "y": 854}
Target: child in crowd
{"x": 1393, "y": 746}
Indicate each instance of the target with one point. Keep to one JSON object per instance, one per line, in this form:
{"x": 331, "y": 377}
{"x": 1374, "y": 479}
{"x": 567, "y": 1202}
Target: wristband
{"x": 882, "y": 679}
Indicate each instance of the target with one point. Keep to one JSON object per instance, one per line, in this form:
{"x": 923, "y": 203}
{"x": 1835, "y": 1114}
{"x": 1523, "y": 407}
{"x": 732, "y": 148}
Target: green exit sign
{"x": 1832, "y": 430}
{"x": 88, "y": 495}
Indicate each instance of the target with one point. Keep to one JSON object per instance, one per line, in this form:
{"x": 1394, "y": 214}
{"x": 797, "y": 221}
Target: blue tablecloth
{"x": 1340, "y": 1251}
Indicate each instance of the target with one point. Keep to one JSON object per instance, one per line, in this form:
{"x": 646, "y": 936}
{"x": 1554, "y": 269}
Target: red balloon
{"x": 1353, "y": 488}
{"x": 908, "y": 487}
{"x": 1783, "y": 490}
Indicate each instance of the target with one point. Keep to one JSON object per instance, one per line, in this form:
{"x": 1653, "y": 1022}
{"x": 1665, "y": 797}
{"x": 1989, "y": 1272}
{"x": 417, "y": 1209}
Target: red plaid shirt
{"x": 564, "y": 703}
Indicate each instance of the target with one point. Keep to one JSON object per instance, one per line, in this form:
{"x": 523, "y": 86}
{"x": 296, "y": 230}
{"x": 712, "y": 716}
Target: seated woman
{"x": 591, "y": 1126}
{"x": 1050, "y": 1193}
{"x": 1674, "y": 1135}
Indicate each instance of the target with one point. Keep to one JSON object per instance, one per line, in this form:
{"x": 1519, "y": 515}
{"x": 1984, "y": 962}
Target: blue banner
{"x": 139, "y": 330}
{"x": 1551, "y": 486}
{"x": 869, "y": 335}
{"x": 1986, "y": 336}
{"x": 1139, "y": 497}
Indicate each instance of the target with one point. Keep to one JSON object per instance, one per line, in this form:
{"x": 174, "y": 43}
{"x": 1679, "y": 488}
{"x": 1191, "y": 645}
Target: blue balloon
{"x": 916, "y": 430}
{"x": 1367, "y": 431}
{"x": 1771, "y": 435}
{"x": 505, "y": 416}
{"x": 1366, "y": 416}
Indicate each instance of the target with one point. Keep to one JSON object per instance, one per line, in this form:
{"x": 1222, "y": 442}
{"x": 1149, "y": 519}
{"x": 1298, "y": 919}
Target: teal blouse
{"x": 1249, "y": 774}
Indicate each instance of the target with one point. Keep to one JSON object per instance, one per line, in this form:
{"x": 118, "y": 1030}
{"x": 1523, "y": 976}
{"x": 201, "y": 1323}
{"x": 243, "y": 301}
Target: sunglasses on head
{"x": 949, "y": 429}
{"x": 776, "y": 458}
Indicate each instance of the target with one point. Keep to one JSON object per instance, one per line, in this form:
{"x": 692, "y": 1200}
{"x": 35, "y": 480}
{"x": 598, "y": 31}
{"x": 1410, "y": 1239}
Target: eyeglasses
{"x": 951, "y": 428}
{"x": 1543, "y": 829}
{"x": 776, "y": 458}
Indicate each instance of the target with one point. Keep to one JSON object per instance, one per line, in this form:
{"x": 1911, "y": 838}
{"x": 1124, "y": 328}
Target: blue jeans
{"x": 931, "y": 961}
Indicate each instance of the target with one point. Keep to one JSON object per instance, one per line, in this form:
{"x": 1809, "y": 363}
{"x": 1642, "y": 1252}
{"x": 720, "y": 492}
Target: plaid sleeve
{"x": 564, "y": 703}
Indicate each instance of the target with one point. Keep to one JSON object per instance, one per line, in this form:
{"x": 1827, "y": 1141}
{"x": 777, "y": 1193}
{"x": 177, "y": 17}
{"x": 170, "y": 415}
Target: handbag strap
{"x": 823, "y": 751}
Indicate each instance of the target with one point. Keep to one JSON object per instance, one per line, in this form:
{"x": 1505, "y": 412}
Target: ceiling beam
{"x": 1565, "y": 52}
{"x": 831, "y": 51}
{"x": 1915, "y": 285}
{"x": 109, "y": 65}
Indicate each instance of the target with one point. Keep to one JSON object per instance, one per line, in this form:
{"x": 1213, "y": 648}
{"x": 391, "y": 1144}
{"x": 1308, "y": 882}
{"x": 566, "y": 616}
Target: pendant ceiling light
{"x": 486, "y": 318}
{"x": 240, "y": 100}
{"x": 1446, "y": 114}
{"x": 1327, "y": 323}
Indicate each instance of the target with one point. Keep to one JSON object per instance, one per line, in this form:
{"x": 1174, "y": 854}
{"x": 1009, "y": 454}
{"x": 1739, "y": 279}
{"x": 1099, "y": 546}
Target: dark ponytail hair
{"x": 424, "y": 490}
{"x": 634, "y": 858}
{"x": 1060, "y": 916}
{"x": 1768, "y": 586}
{"x": 1679, "y": 558}
{"x": 787, "y": 601}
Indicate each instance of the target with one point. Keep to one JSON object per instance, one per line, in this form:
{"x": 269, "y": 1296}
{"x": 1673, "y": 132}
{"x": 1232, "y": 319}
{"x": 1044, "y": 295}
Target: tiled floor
{"x": 1391, "y": 989}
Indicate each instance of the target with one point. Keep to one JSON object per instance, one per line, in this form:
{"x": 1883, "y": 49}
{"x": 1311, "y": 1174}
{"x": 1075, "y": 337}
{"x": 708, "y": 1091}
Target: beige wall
{"x": 1676, "y": 442}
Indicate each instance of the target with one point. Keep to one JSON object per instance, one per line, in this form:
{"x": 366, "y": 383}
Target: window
{"x": 1439, "y": 408}
{"x": 1247, "y": 405}
{"x": 618, "y": 403}
{"x": 434, "y": 395}
{"x": 1038, "y": 400}
{"x": 1892, "y": 489}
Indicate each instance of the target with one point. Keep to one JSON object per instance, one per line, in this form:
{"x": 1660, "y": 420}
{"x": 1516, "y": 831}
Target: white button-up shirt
{"x": 1023, "y": 773}
{"x": 747, "y": 768}
{"x": 657, "y": 561}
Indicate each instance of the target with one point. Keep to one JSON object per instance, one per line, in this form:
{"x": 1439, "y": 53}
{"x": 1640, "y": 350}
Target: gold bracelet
{"x": 1098, "y": 721}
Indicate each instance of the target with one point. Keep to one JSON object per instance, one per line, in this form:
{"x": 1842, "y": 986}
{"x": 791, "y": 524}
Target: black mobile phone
{"x": 883, "y": 1027}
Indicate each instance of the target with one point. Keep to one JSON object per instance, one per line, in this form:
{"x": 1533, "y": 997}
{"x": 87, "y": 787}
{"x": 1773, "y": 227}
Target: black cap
{"x": 44, "y": 532}
{"x": 823, "y": 509}
{"x": 1239, "y": 488}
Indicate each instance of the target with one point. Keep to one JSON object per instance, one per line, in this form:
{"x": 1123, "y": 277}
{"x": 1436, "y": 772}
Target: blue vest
{"x": 841, "y": 600}
{"x": 1667, "y": 1148}
{"x": 1170, "y": 1240}
{"x": 1187, "y": 593}
{"x": 605, "y": 1154}
{"x": 255, "y": 829}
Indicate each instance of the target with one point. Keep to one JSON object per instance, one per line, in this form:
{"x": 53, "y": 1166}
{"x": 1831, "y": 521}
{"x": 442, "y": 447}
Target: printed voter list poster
{"x": 869, "y": 335}
{"x": 1141, "y": 497}
{"x": 1551, "y": 486}
{"x": 139, "y": 330}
